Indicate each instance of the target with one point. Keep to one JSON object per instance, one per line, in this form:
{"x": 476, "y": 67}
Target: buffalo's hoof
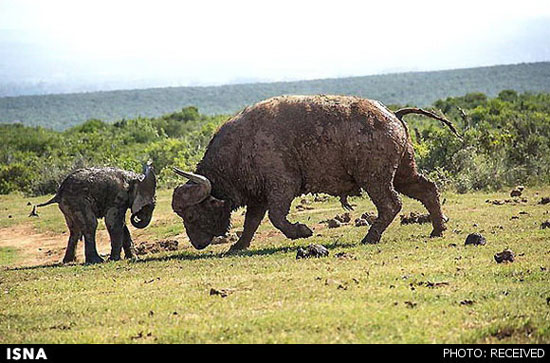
{"x": 300, "y": 231}
{"x": 237, "y": 247}
{"x": 370, "y": 241}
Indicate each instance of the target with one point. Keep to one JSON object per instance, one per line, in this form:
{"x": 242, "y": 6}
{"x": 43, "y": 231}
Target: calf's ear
{"x": 144, "y": 190}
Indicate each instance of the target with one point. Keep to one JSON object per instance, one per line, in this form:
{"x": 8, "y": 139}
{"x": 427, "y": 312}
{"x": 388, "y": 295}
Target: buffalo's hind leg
{"x": 388, "y": 204}
{"x": 414, "y": 185}
{"x": 252, "y": 220}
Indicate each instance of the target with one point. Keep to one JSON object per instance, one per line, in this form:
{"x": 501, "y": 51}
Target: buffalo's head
{"x": 204, "y": 216}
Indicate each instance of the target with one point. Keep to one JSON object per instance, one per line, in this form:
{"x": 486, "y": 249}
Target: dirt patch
{"x": 35, "y": 248}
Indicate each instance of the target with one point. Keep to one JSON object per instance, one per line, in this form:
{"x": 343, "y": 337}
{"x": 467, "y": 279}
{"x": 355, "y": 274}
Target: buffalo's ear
{"x": 144, "y": 190}
{"x": 187, "y": 195}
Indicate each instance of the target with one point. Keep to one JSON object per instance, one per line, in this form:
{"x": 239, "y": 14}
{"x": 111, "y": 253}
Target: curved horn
{"x": 199, "y": 179}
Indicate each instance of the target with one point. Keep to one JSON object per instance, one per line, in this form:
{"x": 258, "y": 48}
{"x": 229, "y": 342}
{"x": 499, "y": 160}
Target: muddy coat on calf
{"x": 286, "y": 146}
{"x": 88, "y": 194}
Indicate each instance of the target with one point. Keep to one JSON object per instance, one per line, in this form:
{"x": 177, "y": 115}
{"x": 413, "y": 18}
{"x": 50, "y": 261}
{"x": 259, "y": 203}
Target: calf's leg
{"x": 128, "y": 244}
{"x": 87, "y": 222}
{"x": 114, "y": 221}
{"x": 74, "y": 236}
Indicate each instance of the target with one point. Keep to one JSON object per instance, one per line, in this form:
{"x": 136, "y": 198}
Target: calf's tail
{"x": 33, "y": 213}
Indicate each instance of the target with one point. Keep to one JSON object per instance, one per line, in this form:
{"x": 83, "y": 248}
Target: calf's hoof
{"x": 437, "y": 233}
{"x": 94, "y": 259}
{"x": 69, "y": 259}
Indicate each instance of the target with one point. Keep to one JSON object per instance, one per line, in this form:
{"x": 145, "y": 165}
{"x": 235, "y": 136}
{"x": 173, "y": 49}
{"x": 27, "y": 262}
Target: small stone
{"x": 545, "y": 224}
{"x": 475, "y": 239}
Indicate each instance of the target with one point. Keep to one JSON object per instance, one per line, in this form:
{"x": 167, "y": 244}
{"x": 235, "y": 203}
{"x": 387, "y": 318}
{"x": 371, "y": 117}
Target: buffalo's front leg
{"x": 278, "y": 210}
{"x": 252, "y": 220}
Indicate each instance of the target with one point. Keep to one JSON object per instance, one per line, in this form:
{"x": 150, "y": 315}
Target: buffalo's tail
{"x": 405, "y": 111}
{"x": 33, "y": 213}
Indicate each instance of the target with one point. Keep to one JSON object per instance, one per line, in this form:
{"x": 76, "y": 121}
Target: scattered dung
{"x": 343, "y": 218}
{"x": 467, "y": 302}
{"x": 545, "y": 224}
{"x": 231, "y": 238}
{"x": 544, "y": 200}
{"x": 145, "y": 248}
{"x": 506, "y": 201}
{"x": 360, "y": 222}
{"x": 415, "y": 217}
{"x": 505, "y": 256}
{"x": 516, "y": 192}
{"x": 339, "y": 285}
{"x": 334, "y": 223}
{"x": 475, "y": 239}
{"x": 221, "y": 292}
{"x": 345, "y": 256}
{"x": 313, "y": 250}
{"x": 369, "y": 217}
{"x": 305, "y": 201}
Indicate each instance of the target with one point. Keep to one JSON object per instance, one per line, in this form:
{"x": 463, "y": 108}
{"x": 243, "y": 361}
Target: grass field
{"x": 407, "y": 289}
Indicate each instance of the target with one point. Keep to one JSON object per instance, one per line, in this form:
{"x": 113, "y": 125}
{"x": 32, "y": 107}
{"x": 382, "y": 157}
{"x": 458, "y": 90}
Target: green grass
{"x": 278, "y": 299}
{"x": 7, "y": 255}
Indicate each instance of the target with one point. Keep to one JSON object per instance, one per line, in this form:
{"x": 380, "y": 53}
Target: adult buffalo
{"x": 287, "y": 146}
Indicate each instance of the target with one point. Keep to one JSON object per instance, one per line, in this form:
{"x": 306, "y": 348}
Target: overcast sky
{"x": 215, "y": 42}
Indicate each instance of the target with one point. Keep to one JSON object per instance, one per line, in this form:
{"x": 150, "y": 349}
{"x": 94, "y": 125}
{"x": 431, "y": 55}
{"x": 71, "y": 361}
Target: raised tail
{"x": 405, "y": 111}
{"x": 33, "y": 213}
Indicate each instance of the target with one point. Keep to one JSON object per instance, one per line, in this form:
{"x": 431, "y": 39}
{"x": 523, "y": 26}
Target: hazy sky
{"x": 215, "y": 42}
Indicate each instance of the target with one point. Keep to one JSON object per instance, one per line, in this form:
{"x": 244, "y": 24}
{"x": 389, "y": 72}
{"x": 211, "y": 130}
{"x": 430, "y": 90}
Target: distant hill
{"x": 415, "y": 88}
